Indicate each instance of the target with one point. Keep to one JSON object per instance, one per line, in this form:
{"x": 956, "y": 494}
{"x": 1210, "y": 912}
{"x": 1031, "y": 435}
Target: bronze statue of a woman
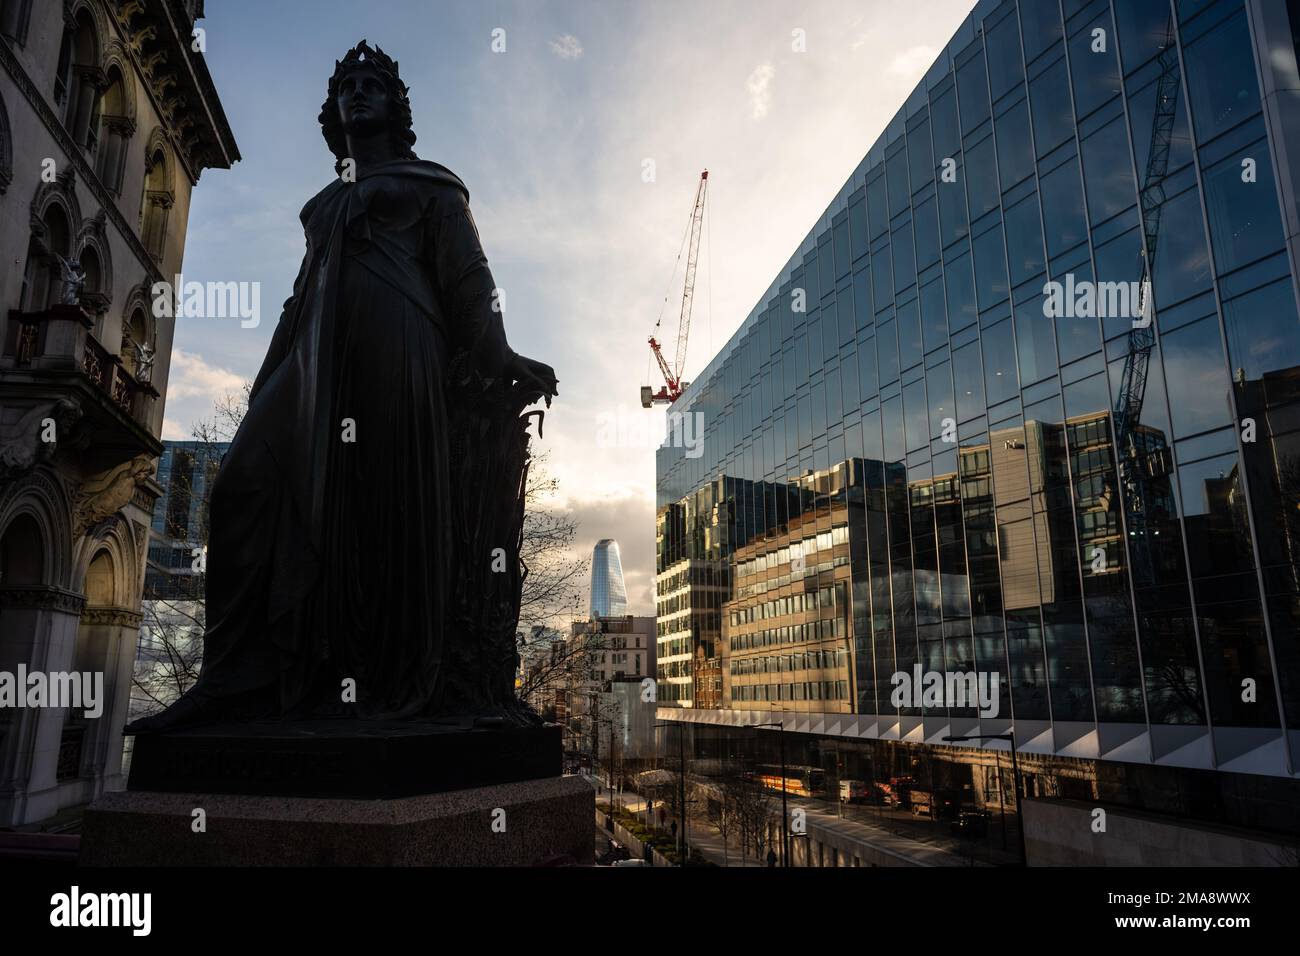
{"x": 363, "y": 557}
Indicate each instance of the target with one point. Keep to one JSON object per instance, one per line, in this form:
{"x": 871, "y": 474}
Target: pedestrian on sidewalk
{"x": 771, "y": 857}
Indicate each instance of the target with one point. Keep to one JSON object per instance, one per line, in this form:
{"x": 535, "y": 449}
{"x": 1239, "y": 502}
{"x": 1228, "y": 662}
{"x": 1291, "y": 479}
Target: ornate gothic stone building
{"x": 108, "y": 116}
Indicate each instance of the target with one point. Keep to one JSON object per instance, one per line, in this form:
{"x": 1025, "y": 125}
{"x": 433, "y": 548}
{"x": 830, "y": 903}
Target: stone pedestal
{"x": 525, "y": 823}
{"x": 344, "y": 758}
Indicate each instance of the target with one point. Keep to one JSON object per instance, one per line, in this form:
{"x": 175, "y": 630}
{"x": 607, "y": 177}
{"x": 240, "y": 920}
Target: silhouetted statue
{"x": 367, "y": 519}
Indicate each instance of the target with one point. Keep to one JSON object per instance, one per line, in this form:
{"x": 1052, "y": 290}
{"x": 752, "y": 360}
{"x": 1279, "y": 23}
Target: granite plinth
{"x": 343, "y": 758}
{"x": 525, "y": 823}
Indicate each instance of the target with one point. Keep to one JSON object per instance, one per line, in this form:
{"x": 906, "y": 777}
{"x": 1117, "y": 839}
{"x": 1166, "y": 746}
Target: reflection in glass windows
{"x": 1116, "y": 528}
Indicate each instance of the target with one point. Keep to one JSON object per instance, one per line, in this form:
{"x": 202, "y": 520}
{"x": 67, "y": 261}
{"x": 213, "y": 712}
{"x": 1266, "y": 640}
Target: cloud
{"x": 912, "y": 63}
{"x": 194, "y": 386}
{"x": 172, "y": 430}
{"x": 759, "y": 87}
{"x": 192, "y": 377}
{"x": 567, "y": 47}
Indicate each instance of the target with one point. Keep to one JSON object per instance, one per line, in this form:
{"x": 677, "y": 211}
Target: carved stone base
{"x": 343, "y": 758}
{"x": 529, "y": 823}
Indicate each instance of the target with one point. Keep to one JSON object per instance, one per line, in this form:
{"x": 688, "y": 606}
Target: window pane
{"x": 961, "y": 293}
{"x": 939, "y": 391}
{"x": 1141, "y": 112}
{"x": 887, "y": 352}
{"x": 909, "y": 335}
{"x": 920, "y": 162}
{"x": 999, "y": 363}
{"x": 972, "y": 94}
{"x": 925, "y": 222}
{"x": 867, "y": 375}
{"x": 952, "y": 207}
{"x": 1049, "y": 97}
{"x": 904, "y": 263}
{"x": 1063, "y": 219}
{"x": 1218, "y": 539}
{"x": 1108, "y": 171}
{"x": 1024, "y": 240}
{"x": 1263, "y": 332}
{"x": 1182, "y": 261}
{"x": 876, "y": 203}
{"x": 1003, "y": 50}
{"x": 981, "y": 178}
{"x": 1119, "y": 260}
{"x": 1244, "y": 221}
{"x": 934, "y": 319}
{"x": 843, "y": 258}
{"x": 1221, "y": 78}
{"x": 899, "y": 190}
{"x": 1015, "y": 151}
{"x": 1143, "y": 26}
{"x": 1197, "y": 378}
{"x": 990, "y": 268}
{"x": 943, "y": 120}
{"x": 968, "y": 376}
{"x": 1077, "y": 336}
{"x": 858, "y": 228}
{"x": 1035, "y": 341}
{"x": 915, "y": 415}
{"x": 881, "y": 280}
{"x": 1092, "y": 62}
{"x": 1041, "y": 22}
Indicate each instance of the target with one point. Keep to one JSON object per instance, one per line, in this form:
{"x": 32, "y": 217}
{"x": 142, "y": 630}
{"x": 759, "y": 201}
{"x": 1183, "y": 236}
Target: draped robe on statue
{"x": 331, "y": 559}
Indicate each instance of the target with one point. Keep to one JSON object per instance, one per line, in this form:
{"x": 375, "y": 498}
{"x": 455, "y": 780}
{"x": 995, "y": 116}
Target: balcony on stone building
{"x": 53, "y": 354}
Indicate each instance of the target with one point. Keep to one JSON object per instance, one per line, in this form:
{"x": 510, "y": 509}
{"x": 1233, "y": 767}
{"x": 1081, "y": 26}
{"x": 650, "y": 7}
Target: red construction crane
{"x": 673, "y": 384}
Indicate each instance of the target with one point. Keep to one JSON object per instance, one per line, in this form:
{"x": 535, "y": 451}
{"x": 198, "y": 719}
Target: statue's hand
{"x": 536, "y": 378}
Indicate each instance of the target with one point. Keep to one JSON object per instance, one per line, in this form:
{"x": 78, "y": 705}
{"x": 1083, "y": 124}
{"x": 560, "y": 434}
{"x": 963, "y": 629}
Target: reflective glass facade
{"x": 608, "y": 592}
{"x": 913, "y": 455}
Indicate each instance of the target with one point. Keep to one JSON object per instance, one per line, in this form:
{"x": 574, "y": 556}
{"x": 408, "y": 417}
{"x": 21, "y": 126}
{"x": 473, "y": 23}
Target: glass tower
{"x": 1025, "y": 401}
{"x": 608, "y": 593}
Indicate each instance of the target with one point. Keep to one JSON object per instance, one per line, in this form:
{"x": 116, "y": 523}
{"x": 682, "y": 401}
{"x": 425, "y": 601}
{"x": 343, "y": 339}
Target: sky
{"x": 552, "y": 137}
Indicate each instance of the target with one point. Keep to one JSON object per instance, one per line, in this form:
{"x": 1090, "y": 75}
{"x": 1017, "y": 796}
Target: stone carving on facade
{"x": 111, "y": 617}
{"x": 72, "y": 280}
{"x": 41, "y": 597}
{"x": 36, "y": 436}
{"x": 104, "y": 495}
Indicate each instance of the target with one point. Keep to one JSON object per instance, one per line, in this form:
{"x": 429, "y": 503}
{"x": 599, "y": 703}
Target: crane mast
{"x": 1134, "y": 470}
{"x": 673, "y": 384}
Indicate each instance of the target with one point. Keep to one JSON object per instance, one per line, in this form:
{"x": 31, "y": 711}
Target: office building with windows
{"x": 1025, "y": 401}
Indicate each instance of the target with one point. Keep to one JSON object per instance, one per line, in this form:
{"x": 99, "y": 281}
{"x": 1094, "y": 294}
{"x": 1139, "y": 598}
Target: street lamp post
{"x": 785, "y": 815}
{"x": 1015, "y": 771}
{"x": 681, "y": 791}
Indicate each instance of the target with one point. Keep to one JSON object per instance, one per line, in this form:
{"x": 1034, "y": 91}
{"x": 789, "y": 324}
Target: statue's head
{"x": 366, "y": 95}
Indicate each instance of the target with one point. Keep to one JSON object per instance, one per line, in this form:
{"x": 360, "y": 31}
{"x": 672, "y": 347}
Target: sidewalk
{"x": 822, "y": 825}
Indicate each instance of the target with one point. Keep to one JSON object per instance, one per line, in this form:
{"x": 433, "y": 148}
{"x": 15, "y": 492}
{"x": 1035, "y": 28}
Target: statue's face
{"x": 363, "y": 102}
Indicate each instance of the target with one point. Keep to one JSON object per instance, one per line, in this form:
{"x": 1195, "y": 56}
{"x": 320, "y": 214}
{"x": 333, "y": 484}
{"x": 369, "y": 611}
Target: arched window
{"x": 90, "y": 263}
{"x": 42, "y": 279}
{"x": 14, "y": 17}
{"x": 78, "y": 82}
{"x": 137, "y": 351}
{"x": 157, "y": 197}
{"x": 116, "y": 129}
{"x": 97, "y": 263}
{"x": 22, "y": 553}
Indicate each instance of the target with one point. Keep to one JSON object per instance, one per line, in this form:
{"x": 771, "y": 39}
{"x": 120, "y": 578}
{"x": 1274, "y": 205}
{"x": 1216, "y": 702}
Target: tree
{"x": 754, "y": 808}
{"x": 723, "y": 810}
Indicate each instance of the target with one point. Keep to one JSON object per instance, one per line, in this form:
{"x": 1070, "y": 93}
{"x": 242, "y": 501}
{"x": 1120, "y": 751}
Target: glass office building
{"x": 968, "y": 428}
{"x": 608, "y": 592}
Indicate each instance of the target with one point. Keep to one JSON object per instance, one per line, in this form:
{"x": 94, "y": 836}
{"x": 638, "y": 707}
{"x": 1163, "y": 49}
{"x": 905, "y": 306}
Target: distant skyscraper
{"x": 608, "y": 593}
